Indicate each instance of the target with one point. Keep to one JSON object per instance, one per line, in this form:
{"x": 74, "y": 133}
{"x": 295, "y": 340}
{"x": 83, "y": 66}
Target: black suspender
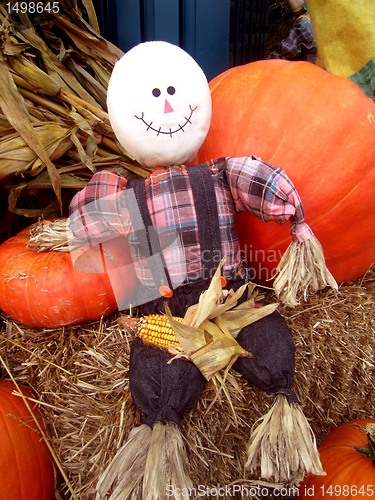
{"x": 207, "y": 217}
{"x": 147, "y": 236}
{"x": 207, "y": 220}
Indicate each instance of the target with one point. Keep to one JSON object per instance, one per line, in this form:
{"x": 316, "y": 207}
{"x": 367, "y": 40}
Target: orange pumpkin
{"x": 318, "y": 127}
{"x": 45, "y": 289}
{"x": 350, "y": 471}
{"x": 26, "y": 467}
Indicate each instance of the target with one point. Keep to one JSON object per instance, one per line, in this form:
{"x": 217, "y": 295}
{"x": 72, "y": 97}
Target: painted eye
{"x": 156, "y": 92}
{"x": 171, "y": 90}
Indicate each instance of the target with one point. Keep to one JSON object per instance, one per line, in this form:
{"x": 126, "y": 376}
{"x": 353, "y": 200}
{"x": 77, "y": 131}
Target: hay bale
{"x": 80, "y": 377}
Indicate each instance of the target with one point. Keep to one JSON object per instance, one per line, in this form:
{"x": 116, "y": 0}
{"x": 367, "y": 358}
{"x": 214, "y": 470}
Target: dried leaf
{"x": 208, "y": 301}
{"x": 91, "y": 83}
{"x": 210, "y": 346}
{"x": 17, "y": 156}
{"x": 14, "y": 109}
{"x": 189, "y": 337}
{"x": 60, "y": 69}
{"x": 86, "y": 154}
{"x": 90, "y": 9}
{"x": 39, "y": 79}
{"x": 55, "y": 68}
{"x": 236, "y": 319}
{"x": 231, "y": 300}
{"x": 10, "y": 48}
{"x": 217, "y": 355}
{"x": 89, "y": 42}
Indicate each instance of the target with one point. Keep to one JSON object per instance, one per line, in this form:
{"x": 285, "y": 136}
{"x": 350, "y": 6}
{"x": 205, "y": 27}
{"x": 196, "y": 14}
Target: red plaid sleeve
{"x": 268, "y": 193}
{"x": 97, "y": 210}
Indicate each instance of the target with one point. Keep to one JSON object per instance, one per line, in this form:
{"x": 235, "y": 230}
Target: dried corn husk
{"x": 302, "y": 270}
{"x": 54, "y": 73}
{"x": 283, "y": 445}
{"x": 166, "y": 463}
{"x": 126, "y": 469}
{"x": 39, "y": 81}
{"x": 14, "y": 109}
{"x": 206, "y": 337}
{"x": 17, "y": 157}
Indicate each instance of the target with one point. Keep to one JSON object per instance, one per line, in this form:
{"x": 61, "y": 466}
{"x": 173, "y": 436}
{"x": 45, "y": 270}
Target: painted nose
{"x": 167, "y": 107}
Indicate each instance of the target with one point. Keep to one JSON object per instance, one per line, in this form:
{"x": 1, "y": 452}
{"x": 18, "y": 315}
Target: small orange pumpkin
{"x": 26, "y": 466}
{"x": 46, "y": 289}
{"x": 348, "y": 458}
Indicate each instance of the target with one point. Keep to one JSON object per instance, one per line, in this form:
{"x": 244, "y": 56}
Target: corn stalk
{"x": 54, "y": 127}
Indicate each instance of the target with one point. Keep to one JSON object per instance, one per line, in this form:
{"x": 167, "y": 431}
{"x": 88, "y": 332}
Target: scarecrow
{"x": 180, "y": 225}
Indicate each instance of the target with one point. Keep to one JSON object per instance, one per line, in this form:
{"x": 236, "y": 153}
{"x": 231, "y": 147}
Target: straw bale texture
{"x": 80, "y": 377}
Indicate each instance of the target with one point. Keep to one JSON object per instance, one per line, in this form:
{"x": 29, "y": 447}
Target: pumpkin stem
{"x": 369, "y": 451}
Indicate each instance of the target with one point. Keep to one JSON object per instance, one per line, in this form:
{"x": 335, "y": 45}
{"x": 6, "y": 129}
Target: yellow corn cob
{"x": 156, "y": 330}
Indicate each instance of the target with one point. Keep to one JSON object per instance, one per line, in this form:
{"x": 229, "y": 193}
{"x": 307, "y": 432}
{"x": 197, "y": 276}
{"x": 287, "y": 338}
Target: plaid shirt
{"x": 240, "y": 184}
{"x": 300, "y": 44}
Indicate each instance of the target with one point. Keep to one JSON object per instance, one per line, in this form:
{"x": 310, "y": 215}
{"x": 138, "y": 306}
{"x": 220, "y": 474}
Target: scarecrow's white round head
{"x": 159, "y": 104}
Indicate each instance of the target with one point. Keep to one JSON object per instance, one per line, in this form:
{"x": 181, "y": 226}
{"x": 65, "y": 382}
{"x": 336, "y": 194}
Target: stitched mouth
{"x": 170, "y": 132}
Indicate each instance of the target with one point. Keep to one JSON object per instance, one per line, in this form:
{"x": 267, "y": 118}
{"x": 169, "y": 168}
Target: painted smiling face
{"x": 159, "y": 104}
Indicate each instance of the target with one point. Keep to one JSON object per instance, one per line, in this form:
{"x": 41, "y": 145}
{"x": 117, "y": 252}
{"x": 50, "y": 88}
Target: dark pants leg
{"x": 270, "y": 341}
